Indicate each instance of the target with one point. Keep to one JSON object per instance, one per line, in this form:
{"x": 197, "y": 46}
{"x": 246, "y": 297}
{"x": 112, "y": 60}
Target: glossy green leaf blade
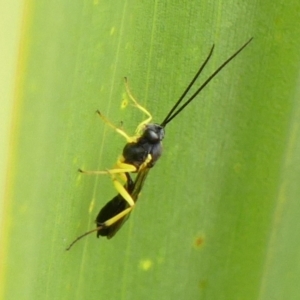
{"x": 217, "y": 218}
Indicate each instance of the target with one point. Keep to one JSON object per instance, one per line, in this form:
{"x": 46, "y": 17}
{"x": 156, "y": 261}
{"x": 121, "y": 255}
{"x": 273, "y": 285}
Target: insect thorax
{"x": 148, "y": 143}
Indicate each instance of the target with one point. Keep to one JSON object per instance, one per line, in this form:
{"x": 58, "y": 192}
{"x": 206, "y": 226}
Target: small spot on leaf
{"x": 146, "y": 264}
{"x": 199, "y": 241}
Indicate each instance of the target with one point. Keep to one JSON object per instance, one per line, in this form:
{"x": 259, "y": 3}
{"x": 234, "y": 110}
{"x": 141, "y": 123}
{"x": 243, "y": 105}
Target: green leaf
{"x": 218, "y": 216}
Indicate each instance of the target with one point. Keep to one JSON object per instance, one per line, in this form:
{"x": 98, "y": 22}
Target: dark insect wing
{"x": 119, "y": 204}
{"x": 139, "y": 183}
{"x": 111, "y": 209}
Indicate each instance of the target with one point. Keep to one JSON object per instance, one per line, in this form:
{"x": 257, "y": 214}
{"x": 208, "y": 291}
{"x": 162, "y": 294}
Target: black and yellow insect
{"x": 139, "y": 155}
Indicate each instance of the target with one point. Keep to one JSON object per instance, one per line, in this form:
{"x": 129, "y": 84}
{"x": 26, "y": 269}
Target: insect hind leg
{"x": 125, "y": 194}
{"x": 120, "y": 168}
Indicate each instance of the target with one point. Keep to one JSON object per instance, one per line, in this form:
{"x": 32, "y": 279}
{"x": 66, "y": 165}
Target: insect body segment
{"x": 140, "y": 154}
{"x": 147, "y": 149}
{"x": 111, "y": 212}
{"x": 116, "y": 212}
{"x": 118, "y": 207}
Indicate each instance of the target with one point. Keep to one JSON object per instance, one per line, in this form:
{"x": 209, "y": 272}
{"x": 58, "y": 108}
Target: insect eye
{"x": 154, "y": 133}
{"x": 151, "y": 135}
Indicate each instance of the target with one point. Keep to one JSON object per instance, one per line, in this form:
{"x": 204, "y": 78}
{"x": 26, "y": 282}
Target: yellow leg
{"x": 127, "y": 197}
{"x": 122, "y": 191}
{"x": 116, "y": 218}
{"x": 118, "y": 169}
{"x": 141, "y": 126}
{"x": 146, "y": 162}
{"x": 128, "y": 138}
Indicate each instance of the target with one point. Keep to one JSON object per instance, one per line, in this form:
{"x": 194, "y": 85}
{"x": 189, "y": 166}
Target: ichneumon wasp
{"x": 139, "y": 155}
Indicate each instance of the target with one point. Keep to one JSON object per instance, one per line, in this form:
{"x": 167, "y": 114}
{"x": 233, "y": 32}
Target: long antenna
{"x": 170, "y": 117}
{"x": 189, "y": 86}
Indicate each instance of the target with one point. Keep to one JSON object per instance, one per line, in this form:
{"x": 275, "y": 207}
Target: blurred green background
{"x": 218, "y": 216}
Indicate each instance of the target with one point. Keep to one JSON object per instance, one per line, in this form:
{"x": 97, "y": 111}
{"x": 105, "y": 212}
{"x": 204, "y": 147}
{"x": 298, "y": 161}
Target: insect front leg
{"x": 141, "y": 126}
{"x": 128, "y": 138}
